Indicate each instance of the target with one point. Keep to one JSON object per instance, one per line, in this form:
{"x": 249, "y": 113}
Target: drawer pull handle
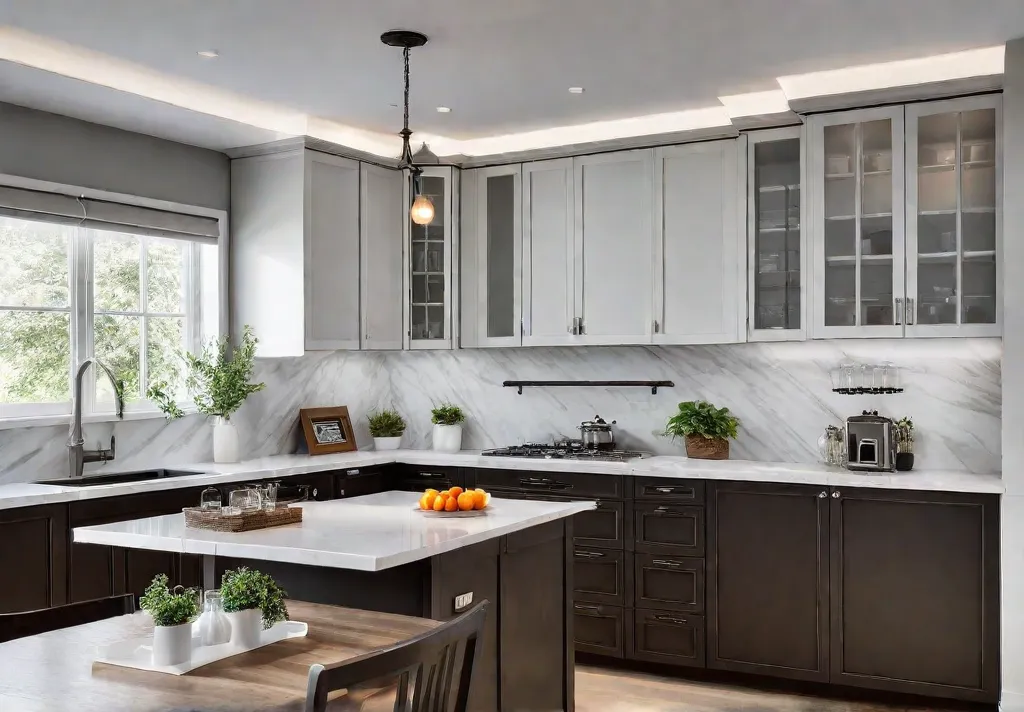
{"x": 589, "y": 555}
{"x": 665, "y": 562}
{"x": 688, "y": 491}
{"x": 351, "y": 473}
{"x": 670, "y": 619}
{"x": 581, "y": 607}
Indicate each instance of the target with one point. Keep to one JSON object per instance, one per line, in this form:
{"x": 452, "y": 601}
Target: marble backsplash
{"x": 780, "y": 391}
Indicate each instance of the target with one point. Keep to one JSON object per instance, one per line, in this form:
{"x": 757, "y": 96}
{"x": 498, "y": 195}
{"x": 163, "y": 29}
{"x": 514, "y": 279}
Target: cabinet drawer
{"x": 360, "y": 481}
{"x": 669, "y": 529}
{"x": 669, "y": 582}
{"x": 572, "y": 484}
{"x": 599, "y": 576}
{"x": 598, "y": 629}
{"x": 668, "y": 637}
{"x": 416, "y": 479}
{"x": 665, "y": 489}
{"x": 604, "y": 527}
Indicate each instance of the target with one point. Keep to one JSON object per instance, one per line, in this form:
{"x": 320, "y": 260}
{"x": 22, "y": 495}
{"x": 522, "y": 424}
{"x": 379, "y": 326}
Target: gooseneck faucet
{"x": 77, "y": 454}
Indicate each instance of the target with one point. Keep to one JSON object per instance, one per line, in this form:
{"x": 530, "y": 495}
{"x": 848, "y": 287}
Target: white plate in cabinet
{"x": 699, "y": 270}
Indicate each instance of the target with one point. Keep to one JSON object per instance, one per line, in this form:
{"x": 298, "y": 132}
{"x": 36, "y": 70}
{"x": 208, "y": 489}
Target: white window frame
{"x": 81, "y": 309}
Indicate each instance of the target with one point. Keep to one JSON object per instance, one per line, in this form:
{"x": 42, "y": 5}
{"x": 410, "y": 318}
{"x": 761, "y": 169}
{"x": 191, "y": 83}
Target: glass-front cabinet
{"x": 953, "y": 216}
{"x": 776, "y": 250}
{"x": 492, "y": 246}
{"x": 856, "y": 175}
{"x": 430, "y": 260}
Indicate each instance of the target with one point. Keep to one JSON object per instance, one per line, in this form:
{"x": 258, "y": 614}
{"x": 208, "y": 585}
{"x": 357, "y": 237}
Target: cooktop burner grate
{"x": 562, "y": 450}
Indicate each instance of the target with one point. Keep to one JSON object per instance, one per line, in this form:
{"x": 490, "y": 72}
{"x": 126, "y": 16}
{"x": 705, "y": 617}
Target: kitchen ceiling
{"x": 502, "y": 67}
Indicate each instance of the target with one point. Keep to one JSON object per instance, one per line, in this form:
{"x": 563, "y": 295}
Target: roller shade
{"x": 105, "y": 215}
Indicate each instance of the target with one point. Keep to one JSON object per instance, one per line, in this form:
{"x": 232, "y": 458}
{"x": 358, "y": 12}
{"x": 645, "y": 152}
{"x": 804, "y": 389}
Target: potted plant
{"x": 705, "y": 429}
{"x": 218, "y": 384}
{"x": 447, "y": 419}
{"x": 253, "y": 601}
{"x": 386, "y": 427}
{"x": 903, "y": 431}
{"x": 173, "y": 613}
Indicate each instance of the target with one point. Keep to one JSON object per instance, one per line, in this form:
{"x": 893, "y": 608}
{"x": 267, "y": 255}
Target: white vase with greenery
{"x": 447, "y": 435}
{"x": 173, "y": 613}
{"x": 253, "y": 602}
{"x": 219, "y": 382}
{"x": 386, "y": 427}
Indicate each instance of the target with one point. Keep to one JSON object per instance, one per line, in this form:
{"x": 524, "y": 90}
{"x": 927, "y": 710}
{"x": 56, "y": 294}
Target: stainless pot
{"x": 597, "y": 434}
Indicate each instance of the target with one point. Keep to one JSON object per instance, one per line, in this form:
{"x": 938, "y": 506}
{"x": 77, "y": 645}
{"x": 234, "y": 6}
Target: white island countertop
{"x": 275, "y": 466}
{"x": 369, "y": 533}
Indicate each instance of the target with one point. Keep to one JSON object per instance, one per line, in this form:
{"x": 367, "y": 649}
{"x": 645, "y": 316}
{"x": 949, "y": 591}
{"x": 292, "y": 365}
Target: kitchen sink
{"x": 118, "y": 478}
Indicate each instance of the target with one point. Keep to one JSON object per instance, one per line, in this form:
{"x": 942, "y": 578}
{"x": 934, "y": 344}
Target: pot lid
{"x": 598, "y": 423}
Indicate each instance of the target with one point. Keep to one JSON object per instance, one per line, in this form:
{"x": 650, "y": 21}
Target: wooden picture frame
{"x": 327, "y": 430}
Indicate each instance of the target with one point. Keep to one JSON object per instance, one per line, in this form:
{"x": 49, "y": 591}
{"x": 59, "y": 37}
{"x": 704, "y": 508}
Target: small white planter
{"x": 387, "y": 443}
{"x": 172, "y": 644}
{"x": 447, "y": 438}
{"x": 246, "y": 627}
{"x": 225, "y": 441}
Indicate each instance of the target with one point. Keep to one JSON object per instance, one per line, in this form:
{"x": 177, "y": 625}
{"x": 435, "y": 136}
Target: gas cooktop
{"x": 566, "y": 450}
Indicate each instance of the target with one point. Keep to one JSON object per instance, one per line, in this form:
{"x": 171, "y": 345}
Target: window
{"x": 68, "y": 293}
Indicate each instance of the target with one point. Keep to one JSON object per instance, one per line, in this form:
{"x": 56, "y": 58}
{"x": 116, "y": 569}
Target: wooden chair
{"x": 20, "y": 625}
{"x": 429, "y": 665}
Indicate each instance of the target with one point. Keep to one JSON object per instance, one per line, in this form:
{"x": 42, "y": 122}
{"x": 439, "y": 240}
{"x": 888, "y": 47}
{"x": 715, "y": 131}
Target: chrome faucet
{"x": 77, "y": 454}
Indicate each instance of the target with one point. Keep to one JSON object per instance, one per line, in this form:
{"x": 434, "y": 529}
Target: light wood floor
{"x": 603, "y": 690}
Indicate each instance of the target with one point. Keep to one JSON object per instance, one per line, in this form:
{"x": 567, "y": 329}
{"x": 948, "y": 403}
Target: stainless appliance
{"x": 597, "y": 434}
{"x": 562, "y": 450}
{"x": 870, "y": 443}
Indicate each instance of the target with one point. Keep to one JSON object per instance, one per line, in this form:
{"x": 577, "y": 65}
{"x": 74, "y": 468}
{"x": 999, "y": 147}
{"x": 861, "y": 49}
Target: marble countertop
{"x": 369, "y": 533}
{"x": 22, "y": 495}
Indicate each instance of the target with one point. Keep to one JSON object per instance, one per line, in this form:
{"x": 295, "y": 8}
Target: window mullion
{"x": 81, "y": 315}
{"x": 143, "y": 321}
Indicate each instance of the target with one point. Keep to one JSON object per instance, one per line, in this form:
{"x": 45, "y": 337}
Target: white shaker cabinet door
{"x": 549, "y": 279}
{"x": 699, "y": 265}
{"x": 615, "y": 245}
{"x": 382, "y": 228}
{"x": 332, "y": 252}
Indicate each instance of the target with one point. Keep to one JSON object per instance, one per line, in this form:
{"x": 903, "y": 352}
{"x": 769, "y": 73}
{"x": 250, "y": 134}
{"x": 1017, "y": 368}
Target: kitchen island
{"x": 378, "y": 552}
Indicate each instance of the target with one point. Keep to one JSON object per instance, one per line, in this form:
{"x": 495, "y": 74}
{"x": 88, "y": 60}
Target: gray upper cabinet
{"x": 491, "y": 242}
{"x": 316, "y": 252}
{"x": 381, "y": 236}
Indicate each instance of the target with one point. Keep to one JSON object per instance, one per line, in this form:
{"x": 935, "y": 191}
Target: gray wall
{"x": 48, "y": 147}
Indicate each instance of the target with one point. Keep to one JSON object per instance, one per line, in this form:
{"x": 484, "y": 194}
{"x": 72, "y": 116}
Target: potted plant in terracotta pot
{"x": 705, "y": 429}
{"x": 173, "y": 613}
{"x": 253, "y": 601}
{"x": 386, "y": 427}
{"x": 447, "y": 419}
{"x": 903, "y": 430}
{"x": 218, "y": 384}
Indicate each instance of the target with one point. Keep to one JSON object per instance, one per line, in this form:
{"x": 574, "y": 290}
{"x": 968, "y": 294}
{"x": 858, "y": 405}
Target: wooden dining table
{"x": 55, "y": 672}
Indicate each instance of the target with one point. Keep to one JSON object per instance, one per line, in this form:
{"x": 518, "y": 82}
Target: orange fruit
{"x": 451, "y": 504}
{"x": 466, "y": 501}
{"x": 427, "y": 500}
{"x": 431, "y": 491}
{"x": 455, "y": 491}
{"x": 480, "y": 499}
{"x": 446, "y": 493}
{"x": 439, "y": 501}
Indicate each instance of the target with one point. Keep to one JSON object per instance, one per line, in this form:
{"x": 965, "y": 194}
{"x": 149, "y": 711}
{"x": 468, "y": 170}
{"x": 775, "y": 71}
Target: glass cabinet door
{"x": 429, "y": 314}
{"x": 774, "y": 200}
{"x": 859, "y": 234}
{"x": 952, "y": 216}
{"x": 499, "y": 256}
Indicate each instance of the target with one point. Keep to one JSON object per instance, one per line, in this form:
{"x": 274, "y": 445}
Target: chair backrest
{"x": 429, "y": 666}
{"x": 20, "y": 625}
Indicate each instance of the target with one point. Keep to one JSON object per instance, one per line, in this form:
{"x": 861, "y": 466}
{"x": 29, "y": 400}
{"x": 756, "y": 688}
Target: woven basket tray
{"x": 198, "y": 518}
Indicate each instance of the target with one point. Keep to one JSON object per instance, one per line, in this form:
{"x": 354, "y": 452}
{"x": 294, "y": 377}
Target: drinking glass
{"x": 210, "y": 498}
{"x": 244, "y": 499}
{"x": 269, "y": 494}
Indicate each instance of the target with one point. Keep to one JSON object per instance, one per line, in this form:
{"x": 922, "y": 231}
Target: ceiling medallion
{"x": 422, "y": 210}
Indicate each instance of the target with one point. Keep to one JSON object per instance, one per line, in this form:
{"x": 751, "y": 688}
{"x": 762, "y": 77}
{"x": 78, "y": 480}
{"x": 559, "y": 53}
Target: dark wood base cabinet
{"x": 34, "y": 557}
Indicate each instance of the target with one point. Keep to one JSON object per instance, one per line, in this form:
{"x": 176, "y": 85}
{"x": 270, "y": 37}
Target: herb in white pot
{"x": 253, "y": 601}
{"x": 447, "y": 435}
{"x": 386, "y": 427}
{"x": 173, "y": 613}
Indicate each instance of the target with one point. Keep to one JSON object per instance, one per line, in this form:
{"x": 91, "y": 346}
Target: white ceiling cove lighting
{"x": 907, "y": 72}
{"x": 759, "y": 103}
{"x": 208, "y": 53}
{"x": 576, "y": 90}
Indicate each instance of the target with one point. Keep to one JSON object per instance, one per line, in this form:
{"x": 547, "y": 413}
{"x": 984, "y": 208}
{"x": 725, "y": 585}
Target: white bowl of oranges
{"x": 454, "y": 502}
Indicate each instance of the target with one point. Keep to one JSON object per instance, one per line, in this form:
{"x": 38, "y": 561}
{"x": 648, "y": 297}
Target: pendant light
{"x": 422, "y": 210}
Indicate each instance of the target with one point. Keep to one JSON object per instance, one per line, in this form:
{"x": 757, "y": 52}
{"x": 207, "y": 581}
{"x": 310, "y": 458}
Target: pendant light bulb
{"x": 422, "y": 210}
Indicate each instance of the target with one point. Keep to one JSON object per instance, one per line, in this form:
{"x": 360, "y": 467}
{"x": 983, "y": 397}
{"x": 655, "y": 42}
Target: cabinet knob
{"x": 314, "y": 492}
{"x": 822, "y": 495}
{"x": 835, "y": 495}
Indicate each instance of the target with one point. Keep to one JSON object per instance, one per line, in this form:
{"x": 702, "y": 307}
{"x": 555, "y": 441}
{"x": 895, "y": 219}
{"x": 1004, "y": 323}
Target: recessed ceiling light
{"x": 575, "y": 90}
{"x": 444, "y": 110}
{"x": 208, "y": 53}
